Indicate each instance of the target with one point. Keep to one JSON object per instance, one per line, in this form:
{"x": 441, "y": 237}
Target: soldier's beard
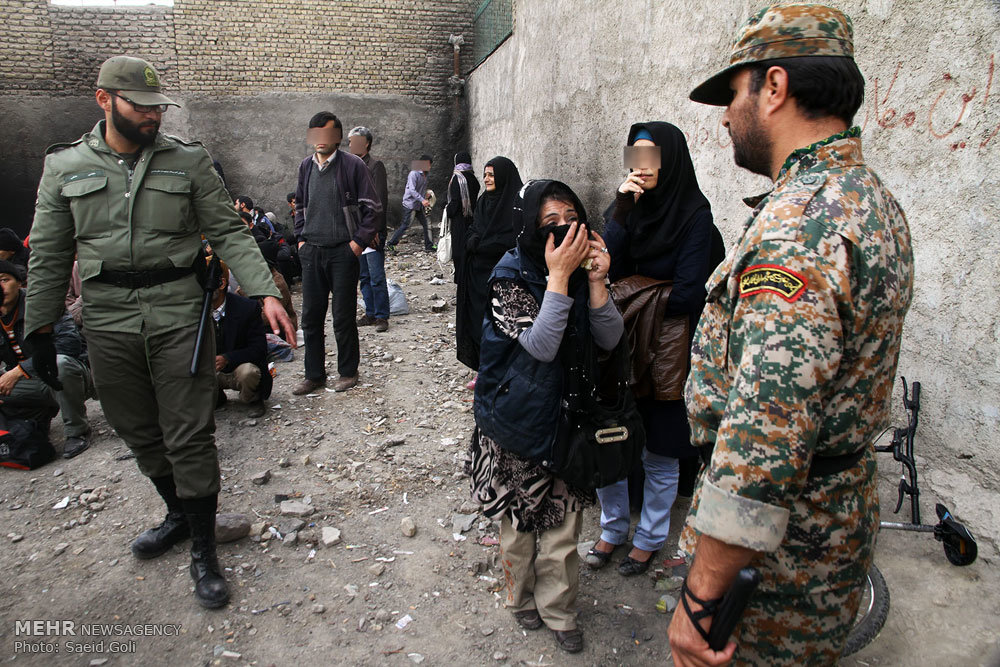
{"x": 143, "y": 133}
{"x": 751, "y": 145}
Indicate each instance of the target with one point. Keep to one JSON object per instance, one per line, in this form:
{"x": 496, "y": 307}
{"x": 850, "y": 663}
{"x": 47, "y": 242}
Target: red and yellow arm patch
{"x": 786, "y": 283}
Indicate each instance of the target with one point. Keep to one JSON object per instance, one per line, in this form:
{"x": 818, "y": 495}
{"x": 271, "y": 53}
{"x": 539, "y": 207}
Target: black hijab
{"x": 531, "y": 238}
{"x": 662, "y": 216}
{"x": 494, "y": 219}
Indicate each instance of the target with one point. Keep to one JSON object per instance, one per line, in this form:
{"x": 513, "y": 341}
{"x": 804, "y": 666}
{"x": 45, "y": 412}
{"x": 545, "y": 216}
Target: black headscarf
{"x": 494, "y": 220}
{"x": 531, "y": 239}
{"x": 662, "y": 216}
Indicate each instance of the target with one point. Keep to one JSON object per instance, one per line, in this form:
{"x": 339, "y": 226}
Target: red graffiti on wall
{"x": 935, "y": 111}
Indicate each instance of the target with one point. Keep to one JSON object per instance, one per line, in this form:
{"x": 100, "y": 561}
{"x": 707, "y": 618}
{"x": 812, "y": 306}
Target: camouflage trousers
{"x": 796, "y": 630}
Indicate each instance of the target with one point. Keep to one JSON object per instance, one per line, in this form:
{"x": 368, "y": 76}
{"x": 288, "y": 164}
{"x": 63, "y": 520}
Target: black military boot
{"x": 157, "y": 541}
{"x": 210, "y": 587}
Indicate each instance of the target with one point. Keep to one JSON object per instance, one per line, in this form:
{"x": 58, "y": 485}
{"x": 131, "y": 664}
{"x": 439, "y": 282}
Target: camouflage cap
{"x": 781, "y": 31}
{"x": 134, "y": 76}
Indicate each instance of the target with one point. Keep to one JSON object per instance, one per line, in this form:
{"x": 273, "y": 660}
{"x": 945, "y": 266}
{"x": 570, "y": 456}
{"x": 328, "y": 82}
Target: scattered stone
{"x": 376, "y": 569}
{"x": 293, "y": 525}
{"x": 439, "y": 306}
{"x": 258, "y": 528}
{"x": 319, "y": 609}
{"x": 330, "y": 536}
{"x": 296, "y": 508}
{"x": 57, "y": 472}
{"x": 469, "y": 507}
{"x": 408, "y": 527}
{"x": 97, "y": 662}
{"x": 290, "y": 539}
{"x": 306, "y": 460}
{"x": 415, "y": 657}
{"x": 351, "y": 590}
{"x": 15, "y": 538}
{"x": 487, "y": 630}
{"x": 62, "y": 504}
{"x": 382, "y": 615}
{"x": 394, "y": 441}
{"x": 61, "y": 547}
{"x": 248, "y": 422}
{"x": 261, "y": 478}
{"x": 231, "y": 527}
{"x": 499, "y": 656}
{"x": 231, "y": 655}
{"x": 462, "y": 523}
{"x": 284, "y": 463}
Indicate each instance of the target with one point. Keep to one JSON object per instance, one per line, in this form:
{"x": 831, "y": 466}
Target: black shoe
{"x": 210, "y": 587}
{"x": 256, "y": 409}
{"x": 529, "y": 619}
{"x": 630, "y": 567}
{"x": 74, "y": 446}
{"x": 381, "y": 325}
{"x": 157, "y": 541}
{"x": 570, "y": 641}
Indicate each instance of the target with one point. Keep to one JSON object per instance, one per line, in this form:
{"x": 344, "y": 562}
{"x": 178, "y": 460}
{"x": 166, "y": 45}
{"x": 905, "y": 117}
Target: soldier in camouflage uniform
{"x": 133, "y": 204}
{"x": 795, "y": 355}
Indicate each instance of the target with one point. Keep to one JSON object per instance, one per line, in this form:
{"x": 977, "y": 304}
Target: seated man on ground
{"x": 240, "y": 347}
{"x": 24, "y": 394}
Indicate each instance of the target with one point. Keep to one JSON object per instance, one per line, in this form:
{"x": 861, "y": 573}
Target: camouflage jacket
{"x": 795, "y": 355}
{"x": 151, "y": 217}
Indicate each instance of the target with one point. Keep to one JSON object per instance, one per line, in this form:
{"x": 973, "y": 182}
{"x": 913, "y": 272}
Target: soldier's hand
{"x": 44, "y": 358}
{"x": 278, "y": 320}
{"x": 220, "y": 363}
{"x": 688, "y": 646}
{"x": 9, "y": 379}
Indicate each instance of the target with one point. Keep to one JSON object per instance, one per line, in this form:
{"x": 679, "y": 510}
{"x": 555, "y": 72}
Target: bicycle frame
{"x": 901, "y": 448}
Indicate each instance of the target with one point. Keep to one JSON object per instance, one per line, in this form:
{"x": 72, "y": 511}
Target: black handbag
{"x": 600, "y": 435}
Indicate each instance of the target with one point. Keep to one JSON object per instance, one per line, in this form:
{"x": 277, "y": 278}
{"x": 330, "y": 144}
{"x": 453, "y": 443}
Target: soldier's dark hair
{"x": 822, "y": 86}
{"x": 243, "y": 200}
{"x": 427, "y": 157}
{"x": 324, "y": 117}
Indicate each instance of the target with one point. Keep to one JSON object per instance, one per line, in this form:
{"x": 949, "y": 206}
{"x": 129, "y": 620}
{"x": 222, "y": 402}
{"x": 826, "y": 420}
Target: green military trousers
{"x": 164, "y": 415}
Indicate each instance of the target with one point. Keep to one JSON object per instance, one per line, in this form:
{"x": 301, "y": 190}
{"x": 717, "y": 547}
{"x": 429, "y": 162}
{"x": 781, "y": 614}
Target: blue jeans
{"x": 408, "y": 214}
{"x": 373, "y": 287}
{"x": 658, "y": 497}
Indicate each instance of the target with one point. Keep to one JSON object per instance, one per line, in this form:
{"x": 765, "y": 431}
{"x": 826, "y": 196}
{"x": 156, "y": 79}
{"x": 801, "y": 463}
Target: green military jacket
{"x": 795, "y": 355}
{"x": 91, "y": 205}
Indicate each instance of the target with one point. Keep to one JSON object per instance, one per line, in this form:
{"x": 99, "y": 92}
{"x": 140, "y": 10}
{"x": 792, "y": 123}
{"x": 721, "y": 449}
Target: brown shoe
{"x": 381, "y": 325}
{"x": 366, "y": 321}
{"x": 570, "y": 641}
{"x": 345, "y": 383}
{"x": 308, "y": 386}
{"x": 528, "y": 619}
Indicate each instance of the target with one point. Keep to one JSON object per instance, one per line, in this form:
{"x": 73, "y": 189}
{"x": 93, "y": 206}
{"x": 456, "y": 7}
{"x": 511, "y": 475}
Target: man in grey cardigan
{"x": 335, "y": 220}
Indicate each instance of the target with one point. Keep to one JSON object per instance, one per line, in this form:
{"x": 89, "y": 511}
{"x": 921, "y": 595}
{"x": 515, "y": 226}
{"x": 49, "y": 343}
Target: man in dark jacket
{"x": 335, "y": 220}
{"x": 240, "y": 348}
{"x": 24, "y": 395}
{"x": 374, "y": 289}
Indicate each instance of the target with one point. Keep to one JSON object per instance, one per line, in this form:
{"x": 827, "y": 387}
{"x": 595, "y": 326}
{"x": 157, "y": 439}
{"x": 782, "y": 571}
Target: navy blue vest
{"x": 518, "y": 398}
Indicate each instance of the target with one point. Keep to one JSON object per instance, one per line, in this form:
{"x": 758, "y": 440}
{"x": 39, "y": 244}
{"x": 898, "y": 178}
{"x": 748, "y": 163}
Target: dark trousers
{"x": 408, "y": 214}
{"x": 164, "y": 415}
{"x": 330, "y": 275}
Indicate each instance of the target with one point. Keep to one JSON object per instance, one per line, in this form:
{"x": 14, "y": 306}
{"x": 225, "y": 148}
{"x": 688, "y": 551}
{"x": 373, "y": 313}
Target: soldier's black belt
{"x": 140, "y": 279}
{"x": 821, "y": 466}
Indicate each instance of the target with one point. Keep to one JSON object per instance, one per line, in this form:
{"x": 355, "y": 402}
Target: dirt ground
{"x": 365, "y": 459}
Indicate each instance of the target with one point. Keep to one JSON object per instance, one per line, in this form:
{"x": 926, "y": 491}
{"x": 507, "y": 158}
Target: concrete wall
{"x": 559, "y": 95}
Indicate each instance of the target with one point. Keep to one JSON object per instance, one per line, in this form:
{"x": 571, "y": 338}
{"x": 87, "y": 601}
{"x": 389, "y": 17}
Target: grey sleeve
{"x": 606, "y": 325}
{"x": 543, "y": 337}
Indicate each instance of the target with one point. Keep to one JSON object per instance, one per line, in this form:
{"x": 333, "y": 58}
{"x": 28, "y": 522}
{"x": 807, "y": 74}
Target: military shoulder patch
{"x": 786, "y": 283}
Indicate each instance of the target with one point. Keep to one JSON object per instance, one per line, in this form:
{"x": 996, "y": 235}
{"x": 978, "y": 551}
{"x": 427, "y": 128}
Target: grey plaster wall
{"x": 259, "y": 139}
{"x": 559, "y": 95}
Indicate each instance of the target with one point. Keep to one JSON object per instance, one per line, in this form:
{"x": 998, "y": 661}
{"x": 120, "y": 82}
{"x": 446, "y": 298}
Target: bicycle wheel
{"x": 872, "y": 613}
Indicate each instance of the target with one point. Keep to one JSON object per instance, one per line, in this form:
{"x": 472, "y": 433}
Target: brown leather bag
{"x": 658, "y": 344}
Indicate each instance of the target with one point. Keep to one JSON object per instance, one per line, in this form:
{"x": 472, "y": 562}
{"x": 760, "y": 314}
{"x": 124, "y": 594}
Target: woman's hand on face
{"x": 633, "y": 183}
{"x": 566, "y": 259}
{"x": 599, "y": 258}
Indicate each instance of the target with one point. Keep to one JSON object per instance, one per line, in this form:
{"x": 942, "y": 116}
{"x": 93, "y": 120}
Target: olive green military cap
{"x": 781, "y": 31}
{"x": 134, "y": 76}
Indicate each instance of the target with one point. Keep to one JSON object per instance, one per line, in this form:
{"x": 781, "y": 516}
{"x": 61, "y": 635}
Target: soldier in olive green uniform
{"x": 795, "y": 355}
{"x": 133, "y": 204}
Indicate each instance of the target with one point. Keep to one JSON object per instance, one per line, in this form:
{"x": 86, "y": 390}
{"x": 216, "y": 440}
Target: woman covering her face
{"x": 661, "y": 229}
{"x": 489, "y": 237}
{"x": 533, "y": 293}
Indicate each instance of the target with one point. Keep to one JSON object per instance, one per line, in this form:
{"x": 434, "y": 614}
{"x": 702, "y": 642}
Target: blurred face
{"x": 650, "y": 177}
{"x": 10, "y": 285}
{"x": 358, "y": 145}
{"x": 488, "y": 179}
{"x": 559, "y": 213}
{"x": 325, "y": 139}
{"x": 751, "y": 143}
